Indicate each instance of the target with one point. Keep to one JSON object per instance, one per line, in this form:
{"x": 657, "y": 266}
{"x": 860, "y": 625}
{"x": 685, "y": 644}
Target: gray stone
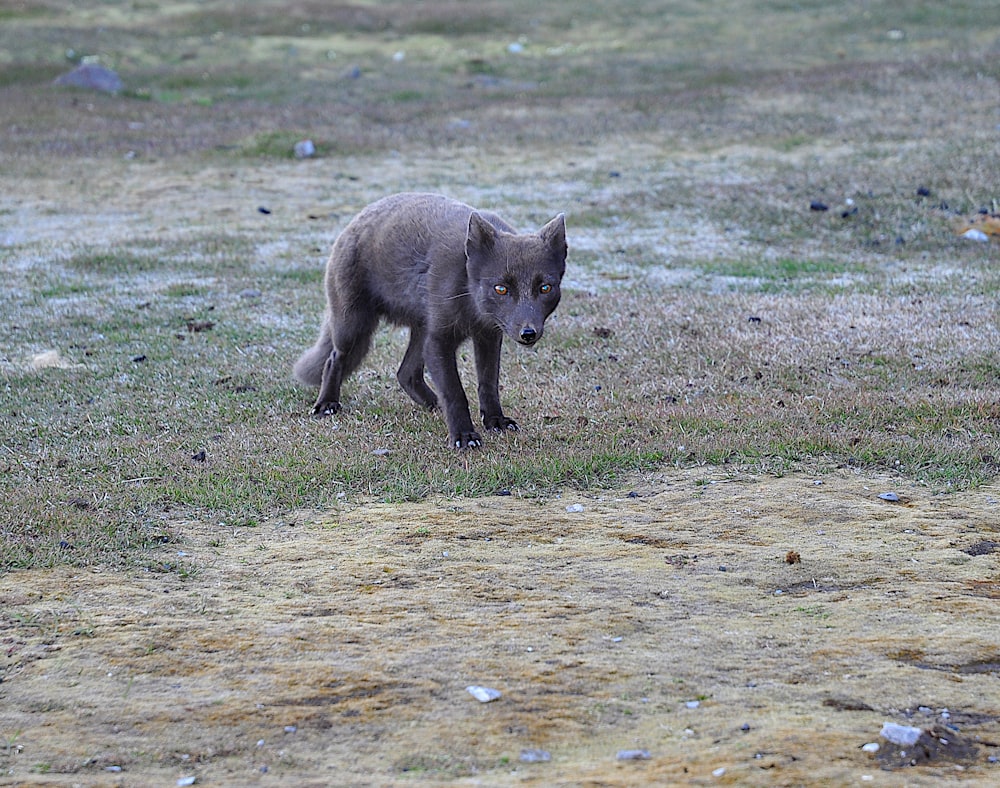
{"x": 90, "y": 76}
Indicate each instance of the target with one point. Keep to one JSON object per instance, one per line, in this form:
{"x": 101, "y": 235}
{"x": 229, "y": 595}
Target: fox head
{"x": 514, "y": 278}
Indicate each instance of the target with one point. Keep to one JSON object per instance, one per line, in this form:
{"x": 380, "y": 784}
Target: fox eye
{"x": 545, "y": 289}
{"x": 500, "y": 289}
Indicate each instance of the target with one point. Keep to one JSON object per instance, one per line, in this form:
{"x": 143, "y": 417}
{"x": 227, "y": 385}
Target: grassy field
{"x": 712, "y": 314}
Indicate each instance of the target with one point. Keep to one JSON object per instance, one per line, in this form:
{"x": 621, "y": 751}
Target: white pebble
{"x": 483, "y": 694}
{"x": 871, "y": 747}
{"x": 633, "y": 755}
{"x": 304, "y": 149}
{"x": 574, "y": 508}
{"x": 975, "y": 235}
{"x": 719, "y": 772}
{"x": 902, "y": 735}
{"x": 186, "y": 781}
{"x": 693, "y": 704}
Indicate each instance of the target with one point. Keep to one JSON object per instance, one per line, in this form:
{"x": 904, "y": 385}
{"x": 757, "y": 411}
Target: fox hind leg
{"x": 352, "y": 339}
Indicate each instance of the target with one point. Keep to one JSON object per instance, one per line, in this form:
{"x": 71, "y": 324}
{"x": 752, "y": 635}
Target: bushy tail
{"x": 309, "y": 367}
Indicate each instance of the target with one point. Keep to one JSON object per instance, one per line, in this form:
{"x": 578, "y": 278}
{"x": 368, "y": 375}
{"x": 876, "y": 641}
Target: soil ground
{"x": 743, "y": 631}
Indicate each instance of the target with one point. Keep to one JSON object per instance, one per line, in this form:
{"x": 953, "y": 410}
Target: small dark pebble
{"x": 263, "y": 210}
{"x": 816, "y": 205}
{"x": 504, "y": 492}
{"x": 745, "y": 727}
{"x": 64, "y": 545}
{"x": 597, "y": 387}
{"x": 982, "y": 548}
{"x": 199, "y": 456}
{"x": 753, "y": 319}
{"x": 723, "y": 568}
{"x": 633, "y": 494}
{"x": 614, "y": 174}
{"x": 849, "y": 213}
{"x": 923, "y": 191}
{"x": 138, "y": 359}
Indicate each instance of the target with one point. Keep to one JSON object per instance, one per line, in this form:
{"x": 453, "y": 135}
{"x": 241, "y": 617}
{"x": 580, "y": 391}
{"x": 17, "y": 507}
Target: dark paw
{"x": 500, "y": 423}
{"x": 321, "y": 409}
{"x": 467, "y": 440}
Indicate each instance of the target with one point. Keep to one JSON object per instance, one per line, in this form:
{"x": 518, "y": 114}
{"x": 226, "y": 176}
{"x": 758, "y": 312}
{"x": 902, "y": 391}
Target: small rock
{"x": 719, "y": 772}
{"x": 575, "y": 508}
{"x": 483, "y": 694}
{"x": 250, "y": 292}
{"x": 290, "y": 729}
{"x": 871, "y": 747}
{"x": 381, "y": 452}
{"x": 90, "y": 76}
{"x": 186, "y": 781}
{"x": 693, "y": 704}
{"x": 745, "y": 727}
{"x": 515, "y": 48}
{"x": 304, "y": 149}
{"x": 633, "y": 755}
{"x": 973, "y": 234}
{"x": 902, "y": 735}
{"x": 816, "y": 205}
{"x": 535, "y": 756}
{"x": 889, "y": 496}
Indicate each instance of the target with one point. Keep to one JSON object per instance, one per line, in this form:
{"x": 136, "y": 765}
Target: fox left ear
{"x": 480, "y": 235}
{"x": 554, "y": 234}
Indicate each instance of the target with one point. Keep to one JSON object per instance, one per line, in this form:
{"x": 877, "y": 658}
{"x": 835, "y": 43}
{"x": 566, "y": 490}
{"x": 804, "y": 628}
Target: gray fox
{"x": 449, "y": 273}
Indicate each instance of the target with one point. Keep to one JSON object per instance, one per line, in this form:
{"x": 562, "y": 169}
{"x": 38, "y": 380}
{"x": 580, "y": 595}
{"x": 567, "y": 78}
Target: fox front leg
{"x": 487, "y": 348}
{"x": 439, "y": 355}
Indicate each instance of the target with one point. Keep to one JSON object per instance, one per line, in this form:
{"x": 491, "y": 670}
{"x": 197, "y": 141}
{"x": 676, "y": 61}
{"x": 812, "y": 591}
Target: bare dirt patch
{"x": 336, "y": 649}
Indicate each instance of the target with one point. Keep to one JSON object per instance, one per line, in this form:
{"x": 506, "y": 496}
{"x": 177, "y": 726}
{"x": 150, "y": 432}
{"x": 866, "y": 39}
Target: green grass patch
{"x": 711, "y": 317}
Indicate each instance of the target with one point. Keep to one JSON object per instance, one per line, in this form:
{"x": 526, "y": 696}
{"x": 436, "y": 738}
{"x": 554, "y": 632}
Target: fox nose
{"x": 528, "y": 335}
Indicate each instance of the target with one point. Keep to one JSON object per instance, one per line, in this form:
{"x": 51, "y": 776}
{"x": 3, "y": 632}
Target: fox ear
{"x": 480, "y": 236}
{"x": 554, "y": 234}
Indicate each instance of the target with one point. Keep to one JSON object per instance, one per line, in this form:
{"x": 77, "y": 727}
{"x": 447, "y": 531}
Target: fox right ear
{"x": 480, "y": 236}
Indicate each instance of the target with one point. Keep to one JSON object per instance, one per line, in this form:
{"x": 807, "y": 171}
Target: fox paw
{"x": 467, "y": 440}
{"x": 321, "y": 409}
{"x": 500, "y": 423}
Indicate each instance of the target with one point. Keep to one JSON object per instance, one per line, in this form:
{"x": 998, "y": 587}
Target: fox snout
{"x": 528, "y": 335}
